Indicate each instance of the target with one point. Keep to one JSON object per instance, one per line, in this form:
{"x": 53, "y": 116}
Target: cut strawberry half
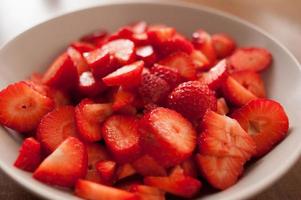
{"x": 147, "y": 192}
{"x": 107, "y": 170}
{"x": 29, "y": 155}
{"x": 170, "y": 75}
{"x": 65, "y": 165}
{"x": 176, "y": 183}
{"x": 88, "y": 117}
{"x": 122, "y": 99}
{"x": 83, "y": 47}
{"x": 164, "y": 134}
{"x": 199, "y": 60}
{"x": 22, "y": 107}
{"x": 125, "y": 171}
{"x": 192, "y": 99}
{"x": 147, "y": 54}
{"x": 222, "y": 107}
{"x": 223, "y": 45}
{"x": 215, "y": 76}
{"x": 251, "y": 81}
{"x": 202, "y": 41}
{"x": 128, "y": 76}
{"x": 265, "y": 121}
{"x": 252, "y": 58}
{"x": 78, "y": 60}
{"x": 94, "y": 191}
{"x": 122, "y": 137}
{"x": 236, "y": 93}
{"x": 183, "y": 63}
{"x": 147, "y": 166}
{"x": 89, "y": 86}
{"x": 224, "y": 148}
{"x": 55, "y": 127}
{"x": 62, "y": 73}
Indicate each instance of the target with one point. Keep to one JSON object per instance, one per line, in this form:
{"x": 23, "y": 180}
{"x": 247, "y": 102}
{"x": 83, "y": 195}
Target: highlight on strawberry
{"x": 145, "y": 113}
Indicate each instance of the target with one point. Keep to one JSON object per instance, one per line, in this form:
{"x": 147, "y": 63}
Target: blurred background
{"x": 280, "y": 18}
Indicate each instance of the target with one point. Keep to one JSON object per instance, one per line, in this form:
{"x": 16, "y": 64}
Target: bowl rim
{"x": 246, "y": 192}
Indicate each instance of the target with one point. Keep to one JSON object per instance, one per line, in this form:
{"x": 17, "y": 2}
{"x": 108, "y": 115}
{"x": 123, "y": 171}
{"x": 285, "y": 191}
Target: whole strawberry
{"x": 192, "y": 99}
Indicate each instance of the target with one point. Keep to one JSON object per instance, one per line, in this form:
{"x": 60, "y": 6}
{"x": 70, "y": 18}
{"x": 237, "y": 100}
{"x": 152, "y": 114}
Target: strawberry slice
{"x": 189, "y": 167}
{"x": 147, "y": 54}
{"x": 55, "y": 127}
{"x": 65, "y": 165}
{"x": 95, "y": 37}
{"x": 192, "y": 99}
{"x": 89, "y": 86}
{"x": 147, "y": 192}
{"x": 122, "y": 137}
{"x": 199, "y": 60}
{"x": 94, "y": 191}
{"x": 62, "y": 73}
{"x": 78, "y": 60}
{"x": 170, "y": 75}
{"x": 223, "y": 45}
{"x": 126, "y": 76}
{"x": 183, "y": 63}
{"x": 88, "y": 117}
{"x": 164, "y": 134}
{"x": 236, "y": 93}
{"x": 223, "y": 152}
{"x": 125, "y": 171}
{"x": 251, "y": 58}
{"x": 202, "y": 41}
{"x": 122, "y": 98}
{"x": 99, "y": 62}
{"x": 176, "y": 183}
{"x": 222, "y": 107}
{"x": 29, "y": 155}
{"x": 22, "y": 107}
{"x": 266, "y": 122}
{"x": 122, "y": 51}
{"x": 96, "y": 153}
{"x": 215, "y": 76}
{"x": 251, "y": 81}
{"x": 147, "y": 166}
{"x": 158, "y": 34}
{"x": 107, "y": 170}
{"x": 83, "y": 47}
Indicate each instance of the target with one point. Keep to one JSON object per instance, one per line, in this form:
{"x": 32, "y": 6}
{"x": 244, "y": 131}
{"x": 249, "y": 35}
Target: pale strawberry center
{"x": 255, "y": 126}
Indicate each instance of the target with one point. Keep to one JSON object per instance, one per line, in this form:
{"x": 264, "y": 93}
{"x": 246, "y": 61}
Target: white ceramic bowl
{"x": 34, "y": 49}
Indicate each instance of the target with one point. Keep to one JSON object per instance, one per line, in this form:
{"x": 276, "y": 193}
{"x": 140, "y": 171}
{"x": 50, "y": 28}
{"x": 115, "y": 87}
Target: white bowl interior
{"x": 35, "y": 49}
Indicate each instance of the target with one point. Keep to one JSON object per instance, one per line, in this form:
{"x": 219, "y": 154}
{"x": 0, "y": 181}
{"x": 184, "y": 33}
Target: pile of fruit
{"x": 143, "y": 112}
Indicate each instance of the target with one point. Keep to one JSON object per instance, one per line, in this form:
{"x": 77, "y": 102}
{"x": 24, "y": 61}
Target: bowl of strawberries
{"x": 148, "y": 104}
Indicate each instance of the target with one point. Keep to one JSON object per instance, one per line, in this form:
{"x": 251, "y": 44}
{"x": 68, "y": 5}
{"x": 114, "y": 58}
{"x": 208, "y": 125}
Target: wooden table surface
{"x": 280, "y": 18}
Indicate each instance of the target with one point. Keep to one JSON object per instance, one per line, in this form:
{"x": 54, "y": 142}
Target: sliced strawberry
{"x": 153, "y": 89}
{"x": 95, "y": 37}
{"x": 125, "y": 171}
{"x": 94, "y": 191}
{"x": 223, "y": 152}
{"x": 223, "y": 45}
{"x": 88, "y": 117}
{"x": 107, "y": 170}
{"x": 83, "y": 47}
{"x": 170, "y": 75}
{"x": 147, "y": 54}
{"x": 251, "y": 58}
{"x": 202, "y": 41}
{"x": 122, "y": 51}
{"x": 215, "y": 76}
{"x": 128, "y": 76}
{"x": 29, "y": 155}
{"x": 177, "y": 43}
{"x": 96, "y": 154}
{"x": 55, "y": 127}
{"x": 59, "y": 97}
{"x": 265, "y": 121}
{"x": 122, "y": 137}
{"x": 222, "y": 107}
{"x": 177, "y": 183}
{"x": 78, "y": 60}
{"x": 65, "y": 165}
{"x": 183, "y": 63}
{"x": 122, "y": 98}
{"x": 164, "y": 134}
{"x": 251, "y": 81}
{"x": 236, "y": 93}
{"x": 199, "y": 60}
{"x": 22, "y": 107}
{"x": 189, "y": 167}
{"x": 99, "y": 62}
{"x": 89, "y": 86}
{"x": 192, "y": 99}
{"x": 147, "y": 192}
{"x": 160, "y": 33}
{"x": 62, "y": 73}
{"x": 147, "y": 166}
